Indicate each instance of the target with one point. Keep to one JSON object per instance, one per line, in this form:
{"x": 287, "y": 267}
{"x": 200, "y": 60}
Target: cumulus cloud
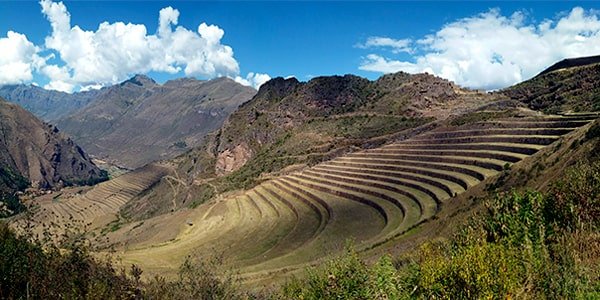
{"x": 396, "y": 46}
{"x": 254, "y": 80}
{"x": 115, "y": 51}
{"x": 61, "y": 79}
{"x": 490, "y": 50}
{"x": 18, "y": 59}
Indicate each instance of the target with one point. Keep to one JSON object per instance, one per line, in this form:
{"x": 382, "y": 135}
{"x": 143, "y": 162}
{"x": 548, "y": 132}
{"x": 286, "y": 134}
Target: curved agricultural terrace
{"x": 97, "y": 206}
{"x": 369, "y": 196}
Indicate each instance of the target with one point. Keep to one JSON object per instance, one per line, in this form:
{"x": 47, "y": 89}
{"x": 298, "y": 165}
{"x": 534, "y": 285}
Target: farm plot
{"x": 99, "y": 205}
{"x": 368, "y": 196}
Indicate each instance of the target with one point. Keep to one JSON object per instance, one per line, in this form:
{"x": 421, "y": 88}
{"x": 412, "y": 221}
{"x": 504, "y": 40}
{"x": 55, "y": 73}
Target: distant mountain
{"x": 569, "y": 85}
{"x": 34, "y": 153}
{"x": 46, "y": 104}
{"x": 139, "y": 121}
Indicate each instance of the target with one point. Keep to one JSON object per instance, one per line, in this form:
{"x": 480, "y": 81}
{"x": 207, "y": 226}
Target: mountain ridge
{"x": 49, "y": 105}
{"x": 139, "y": 121}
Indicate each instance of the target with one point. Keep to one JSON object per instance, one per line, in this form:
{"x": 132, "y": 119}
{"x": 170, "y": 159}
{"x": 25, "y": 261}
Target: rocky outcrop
{"x": 231, "y": 160}
{"x": 281, "y": 105}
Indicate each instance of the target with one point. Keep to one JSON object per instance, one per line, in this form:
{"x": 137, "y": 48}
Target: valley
{"x": 299, "y": 150}
{"x": 299, "y": 171}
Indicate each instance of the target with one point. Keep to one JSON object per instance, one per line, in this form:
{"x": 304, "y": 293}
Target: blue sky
{"x": 301, "y": 39}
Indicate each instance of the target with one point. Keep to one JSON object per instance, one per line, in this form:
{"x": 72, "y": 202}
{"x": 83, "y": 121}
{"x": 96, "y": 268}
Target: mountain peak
{"x": 278, "y": 87}
{"x": 140, "y": 79}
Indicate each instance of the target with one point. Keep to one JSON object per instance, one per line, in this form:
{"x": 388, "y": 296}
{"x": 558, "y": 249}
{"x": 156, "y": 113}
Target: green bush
{"x": 574, "y": 202}
{"x": 346, "y": 277}
{"x": 476, "y": 271}
{"x": 198, "y": 279}
{"x": 29, "y": 271}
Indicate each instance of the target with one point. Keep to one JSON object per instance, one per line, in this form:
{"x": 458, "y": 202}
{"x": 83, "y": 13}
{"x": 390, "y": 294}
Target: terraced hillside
{"x": 97, "y": 206}
{"x": 370, "y": 196}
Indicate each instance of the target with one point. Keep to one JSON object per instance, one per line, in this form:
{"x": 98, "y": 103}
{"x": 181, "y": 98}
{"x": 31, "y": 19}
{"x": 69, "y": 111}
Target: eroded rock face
{"x": 230, "y": 160}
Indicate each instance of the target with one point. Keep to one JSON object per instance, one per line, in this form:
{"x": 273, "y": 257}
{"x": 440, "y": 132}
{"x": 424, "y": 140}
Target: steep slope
{"x": 339, "y": 107}
{"x": 567, "y": 86}
{"x": 291, "y": 124}
{"x": 139, "y": 121}
{"x": 47, "y": 105}
{"x": 36, "y": 153}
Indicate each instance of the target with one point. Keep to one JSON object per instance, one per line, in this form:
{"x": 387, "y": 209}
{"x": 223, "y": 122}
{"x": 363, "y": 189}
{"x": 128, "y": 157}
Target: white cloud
{"x": 60, "y": 78}
{"x": 117, "y": 50}
{"x": 254, "y": 80}
{"x": 90, "y": 87}
{"x": 396, "y": 46}
{"x": 18, "y": 59}
{"x": 491, "y": 51}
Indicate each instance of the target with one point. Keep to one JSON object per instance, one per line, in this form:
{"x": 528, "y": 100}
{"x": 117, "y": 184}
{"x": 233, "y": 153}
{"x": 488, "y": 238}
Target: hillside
{"x": 570, "y": 86}
{"x": 373, "y": 197}
{"x": 47, "y": 105}
{"x": 399, "y": 166}
{"x": 328, "y": 112}
{"x": 34, "y": 153}
{"x": 291, "y": 124}
{"x": 140, "y": 121}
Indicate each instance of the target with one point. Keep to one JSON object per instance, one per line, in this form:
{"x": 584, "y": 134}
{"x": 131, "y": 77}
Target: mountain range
{"x": 49, "y": 105}
{"x": 137, "y": 121}
{"x": 269, "y": 179}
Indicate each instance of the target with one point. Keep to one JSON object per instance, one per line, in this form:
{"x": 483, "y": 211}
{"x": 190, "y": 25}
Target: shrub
{"x": 28, "y": 271}
{"x": 198, "y": 279}
{"x": 346, "y": 277}
{"x": 574, "y": 202}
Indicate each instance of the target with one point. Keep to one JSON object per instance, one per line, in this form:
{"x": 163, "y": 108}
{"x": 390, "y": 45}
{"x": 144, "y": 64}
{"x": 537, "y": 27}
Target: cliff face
{"x": 38, "y": 152}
